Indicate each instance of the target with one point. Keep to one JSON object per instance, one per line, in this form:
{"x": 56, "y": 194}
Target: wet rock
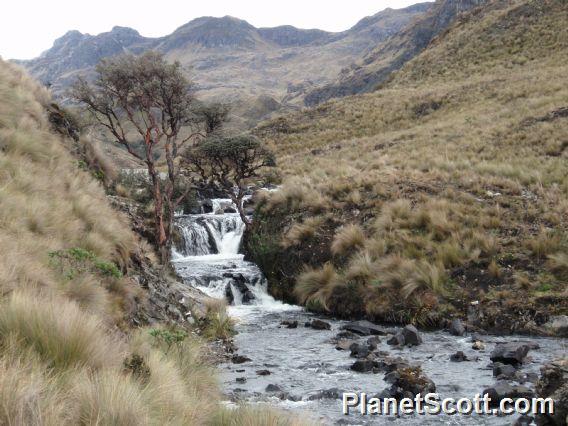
{"x": 238, "y": 281}
{"x": 510, "y": 353}
{"x": 503, "y": 371}
{"x": 359, "y": 350}
{"x": 558, "y": 326}
{"x": 229, "y": 210}
{"x": 407, "y": 382}
{"x": 344, "y": 345}
{"x": 478, "y": 346}
{"x": 333, "y": 393}
{"x": 364, "y": 366}
{"x": 346, "y": 335}
{"x": 411, "y": 336}
{"x": 240, "y": 359}
{"x": 505, "y": 390}
{"x": 373, "y": 342}
{"x": 240, "y": 371}
{"x": 389, "y": 364}
{"x": 524, "y": 421}
{"x": 241, "y": 380}
{"x": 457, "y": 328}
{"x": 459, "y": 357}
{"x": 364, "y": 328}
{"x": 320, "y": 325}
{"x": 271, "y": 388}
{"x": 289, "y": 324}
{"x": 263, "y": 373}
{"x": 476, "y": 337}
{"x": 396, "y": 340}
{"x": 553, "y": 383}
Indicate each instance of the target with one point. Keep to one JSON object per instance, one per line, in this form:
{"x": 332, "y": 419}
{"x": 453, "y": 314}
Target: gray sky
{"x": 27, "y": 28}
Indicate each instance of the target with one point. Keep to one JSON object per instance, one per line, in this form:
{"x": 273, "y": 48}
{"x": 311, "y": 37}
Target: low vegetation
{"x": 69, "y": 354}
{"x": 446, "y": 186}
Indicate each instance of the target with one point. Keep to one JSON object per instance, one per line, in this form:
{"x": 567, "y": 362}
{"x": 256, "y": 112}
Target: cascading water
{"x": 207, "y": 256}
{"x": 302, "y": 361}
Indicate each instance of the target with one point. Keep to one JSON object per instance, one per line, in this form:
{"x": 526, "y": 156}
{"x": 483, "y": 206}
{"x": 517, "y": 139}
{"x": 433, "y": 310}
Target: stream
{"x": 306, "y": 371}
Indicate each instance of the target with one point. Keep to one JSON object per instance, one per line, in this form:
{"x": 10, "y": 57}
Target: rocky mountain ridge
{"x": 228, "y": 58}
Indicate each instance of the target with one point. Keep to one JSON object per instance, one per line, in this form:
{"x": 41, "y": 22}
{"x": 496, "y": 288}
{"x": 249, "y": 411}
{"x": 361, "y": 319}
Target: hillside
{"x": 69, "y": 351}
{"x": 228, "y": 58}
{"x": 378, "y": 64}
{"x": 444, "y": 187}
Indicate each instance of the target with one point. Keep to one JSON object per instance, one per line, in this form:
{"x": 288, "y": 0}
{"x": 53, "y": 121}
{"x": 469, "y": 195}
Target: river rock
{"x": 373, "y": 342}
{"x": 317, "y": 324}
{"x": 408, "y": 382}
{"x": 240, "y": 359}
{"x": 263, "y": 373}
{"x": 239, "y": 282}
{"x": 459, "y": 357}
{"x": 364, "y": 328}
{"x": 289, "y": 324}
{"x": 333, "y": 393}
{"x": 558, "y": 326}
{"x": 241, "y": 379}
{"x": 505, "y": 390}
{"x": 478, "y": 346}
{"x": 411, "y": 336}
{"x": 510, "y": 353}
{"x": 553, "y": 383}
{"x": 457, "y": 328}
{"x": 271, "y": 388}
{"x": 396, "y": 340}
{"x": 359, "y": 350}
{"x": 503, "y": 371}
{"x": 364, "y": 366}
{"x": 344, "y": 344}
{"x": 348, "y": 335}
{"x": 229, "y": 210}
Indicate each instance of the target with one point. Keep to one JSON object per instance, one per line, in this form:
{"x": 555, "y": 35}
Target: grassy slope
{"x": 67, "y": 352}
{"x": 453, "y": 173}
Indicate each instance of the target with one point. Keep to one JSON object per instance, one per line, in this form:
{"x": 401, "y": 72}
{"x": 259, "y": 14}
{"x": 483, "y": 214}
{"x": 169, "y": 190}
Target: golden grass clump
{"x": 348, "y": 239}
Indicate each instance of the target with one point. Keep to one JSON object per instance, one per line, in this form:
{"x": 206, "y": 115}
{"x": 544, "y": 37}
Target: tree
{"x": 228, "y": 162}
{"x": 143, "y": 100}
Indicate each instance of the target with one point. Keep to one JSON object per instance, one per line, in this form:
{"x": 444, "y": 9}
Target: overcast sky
{"x": 27, "y": 28}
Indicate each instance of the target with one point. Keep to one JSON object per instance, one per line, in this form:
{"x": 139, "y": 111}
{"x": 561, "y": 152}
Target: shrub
{"x": 316, "y": 285}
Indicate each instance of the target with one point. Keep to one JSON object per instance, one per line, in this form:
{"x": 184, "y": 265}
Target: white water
{"x": 303, "y": 361}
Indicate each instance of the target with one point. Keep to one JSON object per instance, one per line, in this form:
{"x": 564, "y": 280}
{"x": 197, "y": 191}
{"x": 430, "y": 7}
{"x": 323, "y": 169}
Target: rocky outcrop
{"x": 390, "y": 56}
{"x": 510, "y": 353}
{"x": 553, "y": 383}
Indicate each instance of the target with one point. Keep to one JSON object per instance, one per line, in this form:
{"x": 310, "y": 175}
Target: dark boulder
{"x": 396, "y": 340}
{"x": 459, "y": 357}
{"x": 373, "y": 342}
{"x": 320, "y": 325}
{"x": 263, "y": 373}
{"x": 407, "y": 382}
{"x": 364, "y": 366}
{"x": 240, "y": 359}
{"x": 411, "y": 336}
{"x": 346, "y": 335}
{"x": 241, "y": 380}
{"x": 457, "y": 328}
{"x": 271, "y": 388}
{"x": 510, "y": 353}
{"x": 359, "y": 350}
{"x": 364, "y": 328}
{"x": 504, "y": 371}
{"x": 289, "y": 324}
{"x": 505, "y": 390}
{"x": 553, "y": 383}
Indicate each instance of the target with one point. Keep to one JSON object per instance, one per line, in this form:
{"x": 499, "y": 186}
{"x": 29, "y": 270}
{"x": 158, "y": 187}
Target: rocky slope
{"x": 441, "y": 194}
{"x": 377, "y": 65}
{"x": 228, "y": 58}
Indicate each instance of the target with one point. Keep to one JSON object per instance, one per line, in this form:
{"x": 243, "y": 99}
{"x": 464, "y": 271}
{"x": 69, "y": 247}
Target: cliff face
{"x": 391, "y": 55}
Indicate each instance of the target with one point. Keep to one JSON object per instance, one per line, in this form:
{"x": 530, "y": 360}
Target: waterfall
{"x": 206, "y": 255}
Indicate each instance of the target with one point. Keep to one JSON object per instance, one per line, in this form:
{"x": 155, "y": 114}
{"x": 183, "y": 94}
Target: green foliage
{"x": 75, "y": 261}
{"x": 168, "y": 337}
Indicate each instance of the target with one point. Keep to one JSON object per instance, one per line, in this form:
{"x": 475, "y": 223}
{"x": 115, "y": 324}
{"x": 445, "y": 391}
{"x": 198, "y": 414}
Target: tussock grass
{"x": 68, "y": 355}
{"x": 476, "y": 189}
{"x": 349, "y": 238}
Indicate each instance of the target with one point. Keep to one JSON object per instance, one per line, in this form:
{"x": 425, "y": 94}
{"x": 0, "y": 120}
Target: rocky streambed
{"x": 291, "y": 359}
